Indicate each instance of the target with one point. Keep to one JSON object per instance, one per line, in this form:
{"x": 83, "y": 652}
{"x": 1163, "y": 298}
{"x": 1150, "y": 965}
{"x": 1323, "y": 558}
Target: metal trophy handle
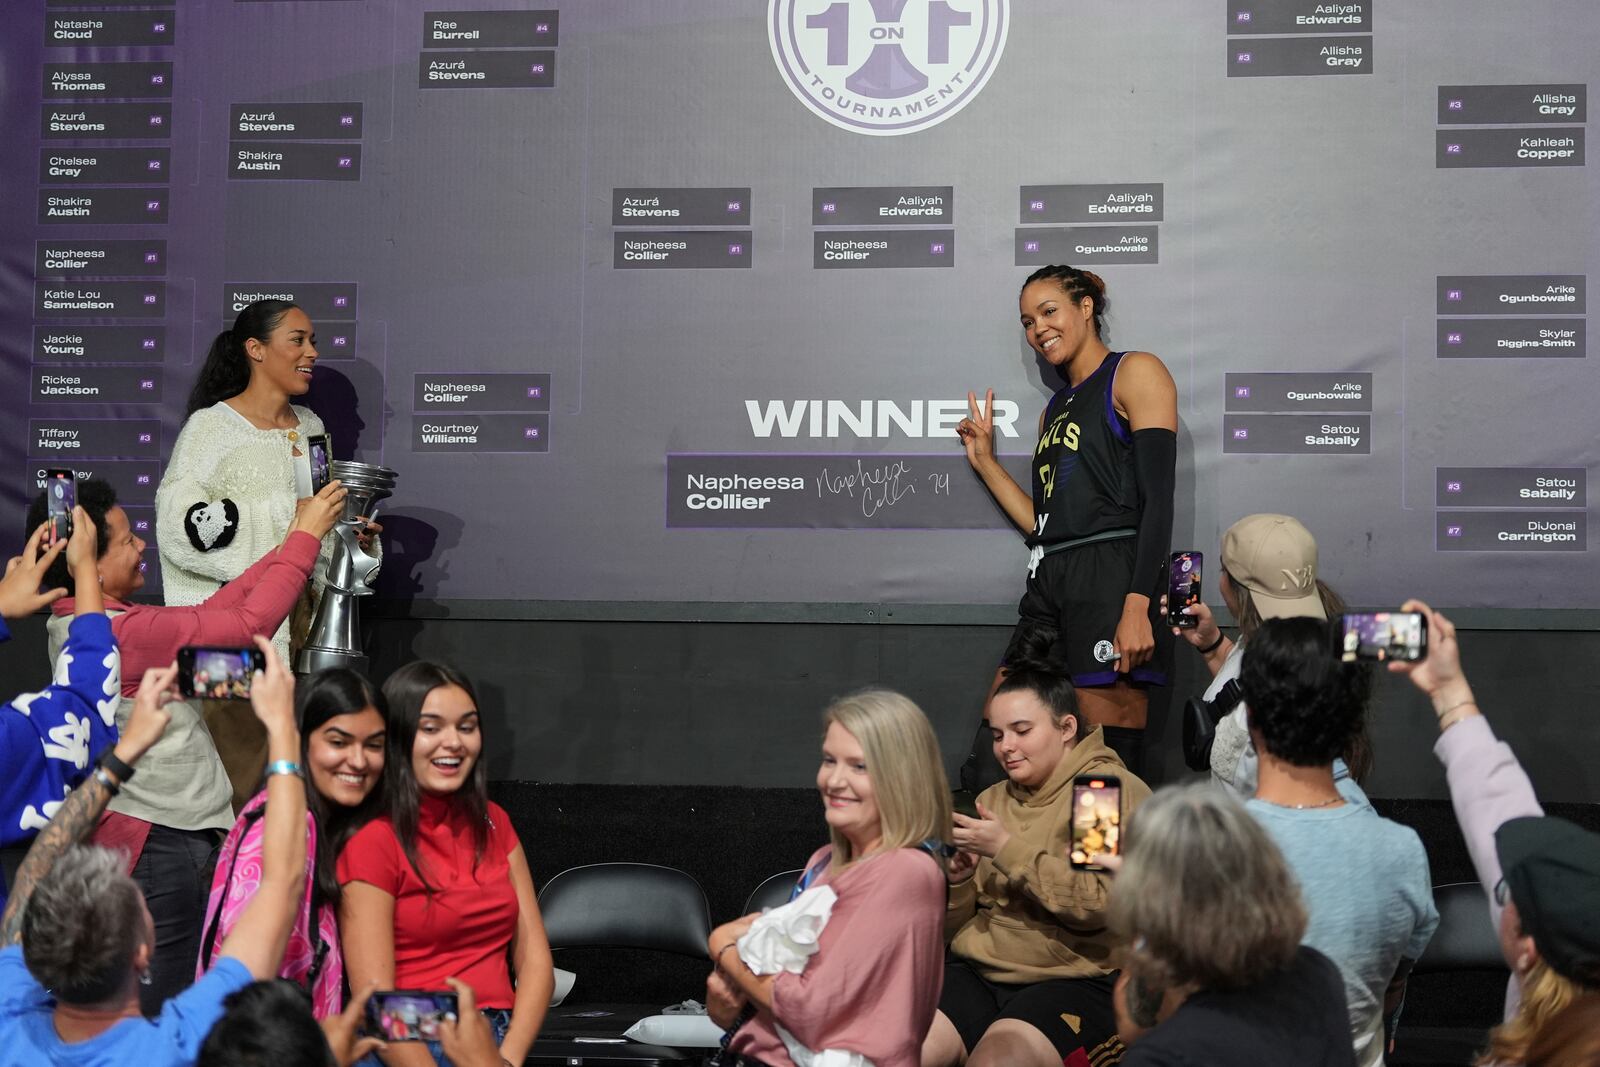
{"x": 335, "y": 637}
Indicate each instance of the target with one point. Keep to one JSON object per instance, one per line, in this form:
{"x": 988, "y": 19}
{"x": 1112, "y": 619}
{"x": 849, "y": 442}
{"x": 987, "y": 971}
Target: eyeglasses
{"x": 1502, "y": 893}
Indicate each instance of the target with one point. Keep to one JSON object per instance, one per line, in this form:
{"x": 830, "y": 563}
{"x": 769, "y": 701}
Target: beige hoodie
{"x": 1026, "y": 915}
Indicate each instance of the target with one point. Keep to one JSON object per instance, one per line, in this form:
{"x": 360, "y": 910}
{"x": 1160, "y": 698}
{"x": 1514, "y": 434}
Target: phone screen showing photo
{"x": 321, "y": 462}
{"x": 61, "y": 496}
{"x": 217, "y": 673}
{"x": 409, "y": 1016}
{"x": 1096, "y": 820}
{"x": 1183, "y": 588}
{"x": 1383, "y": 635}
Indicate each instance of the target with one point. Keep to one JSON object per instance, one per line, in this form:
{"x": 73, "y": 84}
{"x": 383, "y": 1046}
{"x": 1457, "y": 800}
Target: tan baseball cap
{"x": 1275, "y": 558}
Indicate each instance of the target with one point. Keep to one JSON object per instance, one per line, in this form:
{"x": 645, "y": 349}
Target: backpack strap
{"x": 208, "y": 941}
{"x": 1200, "y": 718}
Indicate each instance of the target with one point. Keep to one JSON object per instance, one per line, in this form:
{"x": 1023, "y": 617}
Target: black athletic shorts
{"x": 1074, "y": 600}
{"x": 1074, "y": 1013}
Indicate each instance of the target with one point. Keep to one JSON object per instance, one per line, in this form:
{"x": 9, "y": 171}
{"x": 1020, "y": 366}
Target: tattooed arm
{"x": 78, "y": 814}
{"x": 72, "y": 823}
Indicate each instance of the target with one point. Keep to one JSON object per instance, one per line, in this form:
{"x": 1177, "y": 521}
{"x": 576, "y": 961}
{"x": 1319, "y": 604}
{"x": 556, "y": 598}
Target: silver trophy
{"x": 335, "y": 638}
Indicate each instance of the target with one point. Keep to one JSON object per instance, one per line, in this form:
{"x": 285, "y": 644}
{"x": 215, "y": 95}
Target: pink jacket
{"x": 256, "y": 602}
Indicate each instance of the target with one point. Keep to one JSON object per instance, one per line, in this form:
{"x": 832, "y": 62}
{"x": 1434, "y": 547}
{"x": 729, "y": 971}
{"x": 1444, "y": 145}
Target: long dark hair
{"x": 226, "y": 370}
{"x": 327, "y": 694}
{"x": 406, "y": 690}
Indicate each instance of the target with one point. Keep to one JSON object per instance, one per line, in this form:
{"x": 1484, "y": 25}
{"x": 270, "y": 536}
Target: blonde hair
{"x": 905, "y": 765}
{"x": 1204, "y": 896}
{"x": 1544, "y": 993}
{"x": 1572, "y": 1038}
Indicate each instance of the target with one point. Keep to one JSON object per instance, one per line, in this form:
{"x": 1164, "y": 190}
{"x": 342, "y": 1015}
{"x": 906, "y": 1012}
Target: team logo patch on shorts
{"x": 1105, "y": 651}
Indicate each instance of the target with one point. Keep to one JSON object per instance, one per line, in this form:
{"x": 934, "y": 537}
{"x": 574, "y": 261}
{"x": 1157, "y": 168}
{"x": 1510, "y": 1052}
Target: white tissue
{"x": 784, "y": 938}
{"x": 828, "y": 1057}
{"x": 694, "y": 1031}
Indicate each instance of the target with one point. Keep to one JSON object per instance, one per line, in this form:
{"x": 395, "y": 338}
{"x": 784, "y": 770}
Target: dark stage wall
{"x": 738, "y": 703}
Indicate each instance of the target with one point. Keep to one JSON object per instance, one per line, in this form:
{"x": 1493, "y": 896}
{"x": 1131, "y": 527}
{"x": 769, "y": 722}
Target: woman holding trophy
{"x": 239, "y": 472}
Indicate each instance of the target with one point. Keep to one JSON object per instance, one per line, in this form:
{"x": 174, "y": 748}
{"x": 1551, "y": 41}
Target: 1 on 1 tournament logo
{"x": 886, "y": 67}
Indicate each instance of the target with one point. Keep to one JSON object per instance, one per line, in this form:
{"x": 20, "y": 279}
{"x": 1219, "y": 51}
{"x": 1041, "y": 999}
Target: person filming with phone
{"x": 170, "y": 819}
{"x": 1268, "y": 570}
{"x": 1365, "y": 879}
{"x": 1541, "y": 874}
{"x": 1026, "y": 919}
{"x": 342, "y": 735}
{"x": 49, "y": 738}
{"x": 77, "y": 934}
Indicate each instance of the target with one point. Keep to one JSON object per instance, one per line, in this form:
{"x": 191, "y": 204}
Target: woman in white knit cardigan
{"x": 241, "y": 462}
{"x": 231, "y": 487}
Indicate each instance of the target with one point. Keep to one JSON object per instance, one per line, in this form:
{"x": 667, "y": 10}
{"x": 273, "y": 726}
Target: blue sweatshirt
{"x": 48, "y": 739}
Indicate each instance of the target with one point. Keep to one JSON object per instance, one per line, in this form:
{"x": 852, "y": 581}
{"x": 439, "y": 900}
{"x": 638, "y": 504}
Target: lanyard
{"x": 811, "y": 875}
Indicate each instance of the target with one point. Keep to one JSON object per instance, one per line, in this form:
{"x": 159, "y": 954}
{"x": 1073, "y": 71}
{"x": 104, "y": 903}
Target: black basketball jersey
{"x": 1084, "y": 481}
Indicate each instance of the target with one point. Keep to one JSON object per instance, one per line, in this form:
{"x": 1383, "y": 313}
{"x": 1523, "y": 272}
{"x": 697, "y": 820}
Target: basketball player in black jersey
{"x": 1099, "y": 517}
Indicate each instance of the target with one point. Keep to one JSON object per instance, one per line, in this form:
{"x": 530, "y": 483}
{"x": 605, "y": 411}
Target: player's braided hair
{"x": 1077, "y": 284}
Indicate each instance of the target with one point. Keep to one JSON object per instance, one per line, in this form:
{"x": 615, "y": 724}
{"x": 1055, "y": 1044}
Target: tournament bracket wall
{"x": 682, "y": 301}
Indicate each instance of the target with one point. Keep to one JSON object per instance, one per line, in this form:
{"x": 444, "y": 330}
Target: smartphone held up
{"x": 409, "y": 1014}
{"x": 319, "y": 449}
{"x": 1183, "y": 588}
{"x": 60, "y": 496}
{"x": 1096, "y": 820}
{"x": 1382, "y": 635}
{"x": 213, "y": 673}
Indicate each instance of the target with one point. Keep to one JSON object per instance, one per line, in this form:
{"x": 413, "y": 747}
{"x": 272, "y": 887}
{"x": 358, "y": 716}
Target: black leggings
{"x": 174, "y": 873}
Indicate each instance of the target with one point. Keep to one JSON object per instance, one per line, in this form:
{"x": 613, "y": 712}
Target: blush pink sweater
{"x": 874, "y": 984}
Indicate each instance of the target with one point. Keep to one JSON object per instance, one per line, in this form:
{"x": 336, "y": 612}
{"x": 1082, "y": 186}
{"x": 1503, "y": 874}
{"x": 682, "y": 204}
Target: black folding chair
{"x": 774, "y": 891}
{"x": 620, "y": 906}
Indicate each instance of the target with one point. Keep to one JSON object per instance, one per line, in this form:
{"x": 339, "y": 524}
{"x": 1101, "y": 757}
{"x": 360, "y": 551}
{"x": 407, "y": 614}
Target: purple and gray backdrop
{"x": 681, "y": 300}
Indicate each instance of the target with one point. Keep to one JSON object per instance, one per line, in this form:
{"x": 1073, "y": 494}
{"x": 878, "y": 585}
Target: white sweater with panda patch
{"x": 220, "y": 456}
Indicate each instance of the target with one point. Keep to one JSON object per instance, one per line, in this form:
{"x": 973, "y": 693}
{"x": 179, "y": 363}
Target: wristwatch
{"x": 109, "y": 761}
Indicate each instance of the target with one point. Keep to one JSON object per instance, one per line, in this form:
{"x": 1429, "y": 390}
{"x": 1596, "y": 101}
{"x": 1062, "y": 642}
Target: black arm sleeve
{"x": 1155, "y": 459}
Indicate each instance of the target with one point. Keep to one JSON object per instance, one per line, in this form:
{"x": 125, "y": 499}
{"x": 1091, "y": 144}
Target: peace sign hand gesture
{"x": 977, "y": 430}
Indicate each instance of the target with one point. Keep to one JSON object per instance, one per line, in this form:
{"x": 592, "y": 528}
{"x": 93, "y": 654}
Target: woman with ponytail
{"x": 240, "y": 464}
{"x": 239, "y": 474}
{"x": 1099, "y": 517}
